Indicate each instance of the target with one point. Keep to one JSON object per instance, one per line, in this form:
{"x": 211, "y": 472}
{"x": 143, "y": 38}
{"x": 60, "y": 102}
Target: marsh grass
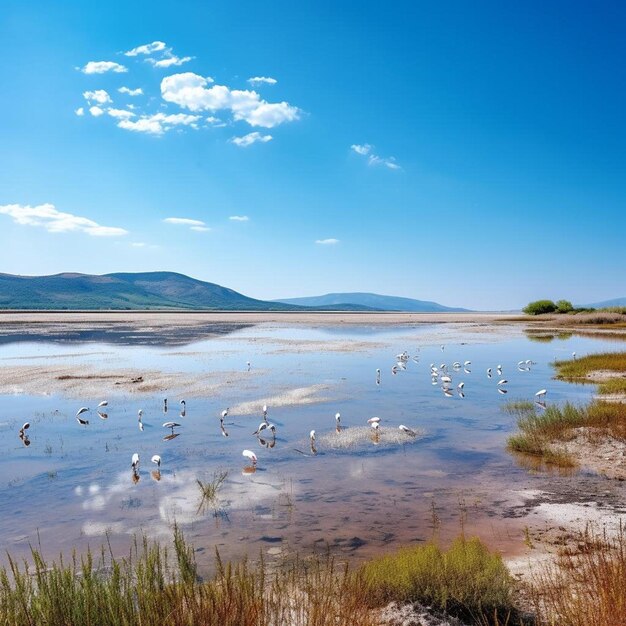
{"x": 540, "y": 433}
{"x": 154, "y": 585}
{"x": 520, "y": 408}
{"x": 209, "y": 490}
{"x": 578, "y": 369}
{"x": 467, "y": 580}
{"x": 585, "y": 587}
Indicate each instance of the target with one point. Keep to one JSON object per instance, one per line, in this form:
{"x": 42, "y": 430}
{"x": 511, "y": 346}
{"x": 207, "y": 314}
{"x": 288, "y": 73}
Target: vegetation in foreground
{"x": 540, "y": 433}
{"x": 154, "y": 586}
{"x": 467, "y": 580}
{"x": 585, "y": 587}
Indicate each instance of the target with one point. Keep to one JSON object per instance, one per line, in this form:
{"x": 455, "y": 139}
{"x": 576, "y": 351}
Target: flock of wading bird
{"x": 441, "y": 376}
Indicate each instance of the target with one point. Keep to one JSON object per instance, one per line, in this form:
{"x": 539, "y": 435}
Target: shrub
{"x": 564, "y": 306}
{"x": 467, "y": 580}
{"x": 539, "y": 306}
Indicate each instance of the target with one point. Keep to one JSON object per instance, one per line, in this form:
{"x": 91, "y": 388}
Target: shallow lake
{"x": 360, "y": 492}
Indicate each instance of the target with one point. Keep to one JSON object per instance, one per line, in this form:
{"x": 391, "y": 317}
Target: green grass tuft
{"x": 467, "y": 580}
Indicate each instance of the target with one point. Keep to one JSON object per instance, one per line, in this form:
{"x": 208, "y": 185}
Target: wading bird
{"x": 171, "y": 425}
{"x": 224, "y": 413}
{"x": 250, "y": 456}
{"x": 407, "y": 430}
{"x": 134, "y": 463}
{"x": 82, "y": 410}
{"x": 488, "y": 372}
{"x": 103, "y": 403}
{"x": 541, "y": 394}
{"x": 373, "y": 420}
{"x": 261, "y": 428}
{"x": 156, "y": 459}
{"x": 24, "y": 428}
{"x": 503, "y": 381}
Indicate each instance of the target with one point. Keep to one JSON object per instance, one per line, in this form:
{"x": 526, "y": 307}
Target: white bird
{"x": 156, "y": 459}
{"x": 456, "y": 365}
{"x": 446, "y": 379}
{"x": 499, "y": 369}
{"x": 467, "y": 363}
{"x": 104, "y": 403}
{"x": 171, "y": 425}
{"x": 446, "y": 392}
{"x": 375, "y": 425}
{"x": 272, "y": 427}
{"x": 82, "y": 421}
{"x": 250, "y": 456}
{"x": 460, "y": 385}
{"x": 24, "y": 428}
{"x": 261, "y": 428}
{"x": 140, "y": 414}
{"x": 407, "y": 430}
{"x": 503, "y": 391}
{"x": 373, "y": 420}
{"x": 140, "y": 423}
{"x": 488, "y": 372}
{"x": 573, "y": 355}
{"x": 82, "y": 410}
{"x": 442, "y": 347}
{"x": 503, "y": 381}
{"x": 338, "y": 418}
{"x": 224, "y": 413}
{"x": 394, "y": 370}
{"x": 541, "y": 393}
{"x": 312, "y": 436}
{"x": 135, "y": 461}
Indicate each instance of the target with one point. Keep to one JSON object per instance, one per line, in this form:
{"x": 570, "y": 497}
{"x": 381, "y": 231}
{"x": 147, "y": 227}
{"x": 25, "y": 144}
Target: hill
{"x": 607, "y": 303}
{"x": 373, "y": 301}
{"x": 150, "y": 290}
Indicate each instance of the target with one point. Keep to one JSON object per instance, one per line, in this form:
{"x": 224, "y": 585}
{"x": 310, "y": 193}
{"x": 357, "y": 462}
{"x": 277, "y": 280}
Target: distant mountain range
{"x": 373, "y": 301}
{"x": 606, "y": 303}
{"x": 169, "y": 290}
{"x": 150, "y": 290}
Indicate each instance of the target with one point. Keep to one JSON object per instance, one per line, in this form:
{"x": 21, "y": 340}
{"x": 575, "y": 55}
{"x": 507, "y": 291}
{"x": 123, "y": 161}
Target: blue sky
{"x": 468, "y": 153}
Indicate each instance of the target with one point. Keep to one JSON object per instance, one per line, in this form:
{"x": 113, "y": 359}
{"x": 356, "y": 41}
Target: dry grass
{"x": 585, "y": 587}
{"x": 153, "y": 586}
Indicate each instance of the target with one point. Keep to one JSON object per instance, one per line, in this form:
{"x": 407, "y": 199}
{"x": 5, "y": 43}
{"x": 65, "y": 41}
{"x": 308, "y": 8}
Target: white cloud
{"x": 327, "y": 242}
{"x": 185, "y": 221}
{"x": 361, "y": 149}
{"x": 96, "y": 111}
{"x": 389, "y": 162}
{"x": 262, "y": 80}
{"x": 120, "y": 114}
{"x": 190, "y": 91}
{"x": 169, "y": 61}
{"x": 159, "y": 123}
{"x": 373, "y": 159}
{"x": 131, "y": 92}
{"x": 239, "y": 218}
{"x": 80, "y": 111}
{"x": 99, "y": 95}
{"x": 54, "y": 221}
{"x": 250, "y": 138}
{"x": 100, "y": 67}
{"x": 149, "y": 48}
{"x": 201, "y": 229}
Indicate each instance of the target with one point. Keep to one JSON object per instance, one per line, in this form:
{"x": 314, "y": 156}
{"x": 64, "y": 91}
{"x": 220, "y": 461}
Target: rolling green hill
{"x": 150, "y": 290}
